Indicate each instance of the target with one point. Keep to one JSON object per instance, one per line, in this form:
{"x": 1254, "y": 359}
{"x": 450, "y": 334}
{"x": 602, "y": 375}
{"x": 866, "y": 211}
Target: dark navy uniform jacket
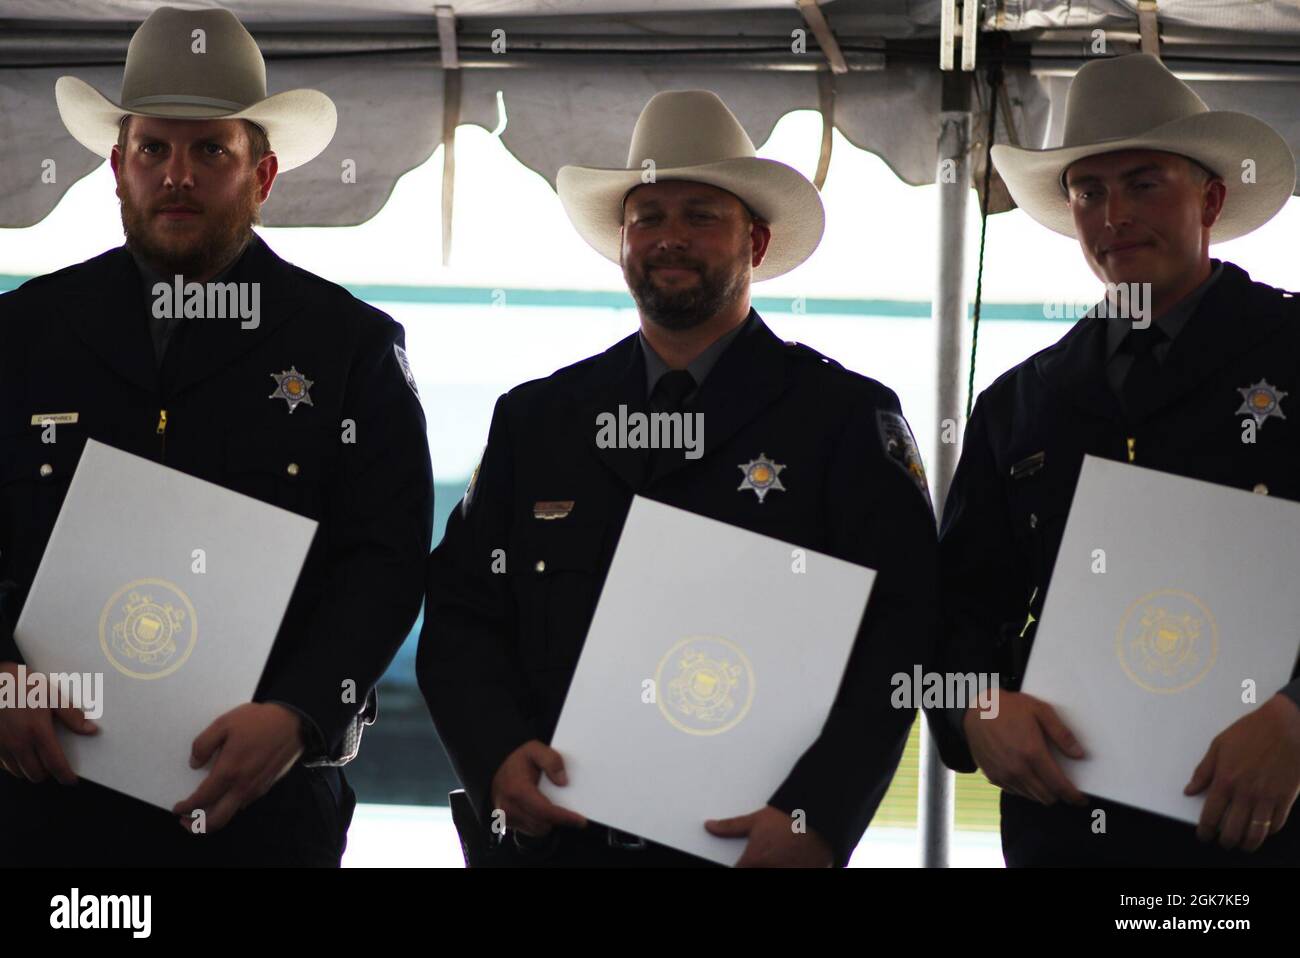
{"x": 1005, "y": 514}
{"x": 498, "y": 650}
{"x": 78, "y": 340}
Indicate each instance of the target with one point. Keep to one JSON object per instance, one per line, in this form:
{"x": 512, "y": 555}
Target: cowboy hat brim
{"x": 299, "y": 123}
{"x": 593, "y": 199}
{"x": 1221, "y": 141}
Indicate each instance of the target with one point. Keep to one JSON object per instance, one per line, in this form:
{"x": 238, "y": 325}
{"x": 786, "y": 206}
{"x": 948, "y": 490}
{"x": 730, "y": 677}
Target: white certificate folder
{"x": 710, "y": 666}
{"x": 1173, "y": 612}
{"x": 172, "y": 589}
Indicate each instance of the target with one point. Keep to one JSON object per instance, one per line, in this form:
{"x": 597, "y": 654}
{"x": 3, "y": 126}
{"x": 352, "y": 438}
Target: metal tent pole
{"x": 935, "y": 799}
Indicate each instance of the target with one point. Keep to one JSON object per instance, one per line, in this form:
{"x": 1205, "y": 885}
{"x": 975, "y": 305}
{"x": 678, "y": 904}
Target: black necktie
{"x": 1143, "y": 378}
{"x": 671, "y": 390}
{"x": 174, "y": 356}
{"x": 669, "y": 396}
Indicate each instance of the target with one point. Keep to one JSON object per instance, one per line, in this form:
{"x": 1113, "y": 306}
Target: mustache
{"x": 672, "y": 265}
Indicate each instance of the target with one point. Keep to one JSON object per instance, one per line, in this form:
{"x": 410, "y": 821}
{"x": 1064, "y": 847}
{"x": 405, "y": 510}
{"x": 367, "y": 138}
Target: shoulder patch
{"x": 900, "y": 447}
{"x": 467, "y": 500}
{"x": 405, "y": 365}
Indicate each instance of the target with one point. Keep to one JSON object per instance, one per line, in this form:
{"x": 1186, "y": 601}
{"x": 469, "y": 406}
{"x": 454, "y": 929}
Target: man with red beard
{"x": 301, "y": 397}
{"x": 826, "y": 462}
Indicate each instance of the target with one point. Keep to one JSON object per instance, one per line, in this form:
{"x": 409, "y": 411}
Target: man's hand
{"x": 773, "y": 842}
{"x": 515, "y": 791}
{"x": 1012, "y": 749}
{"x": 28, "y": 746}
{"x": 255, "y": 745}
{"x": 1252, "y": 770}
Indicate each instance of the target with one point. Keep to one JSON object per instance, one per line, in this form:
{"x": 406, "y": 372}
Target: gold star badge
{"x": 762, "y": 475}
{"x": 292, "y": 386}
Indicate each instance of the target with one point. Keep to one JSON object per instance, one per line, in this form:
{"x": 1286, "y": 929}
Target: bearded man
{"x": 826, "y": 461}
{"x": 258, "y": 399}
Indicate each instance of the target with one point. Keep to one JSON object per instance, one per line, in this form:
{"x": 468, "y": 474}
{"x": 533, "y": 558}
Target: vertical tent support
{"x": 953, "y": 178}
{"x": 448, "y": 51}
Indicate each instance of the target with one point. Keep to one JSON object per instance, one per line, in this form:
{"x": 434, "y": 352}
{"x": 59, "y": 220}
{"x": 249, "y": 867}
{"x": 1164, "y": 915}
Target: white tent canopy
{"x": 575, "y": 74}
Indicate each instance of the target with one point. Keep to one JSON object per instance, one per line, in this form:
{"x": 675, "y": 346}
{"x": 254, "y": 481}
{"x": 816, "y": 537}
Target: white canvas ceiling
{"x": 577, "y": 73}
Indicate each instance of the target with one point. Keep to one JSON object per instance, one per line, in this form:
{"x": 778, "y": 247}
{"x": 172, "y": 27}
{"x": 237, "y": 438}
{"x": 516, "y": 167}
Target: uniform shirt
{"x": 1009, "y": 503}
{"x": 656, "y": 368}
{"x": 161, "y": 328}
{"x": 500, "y": 646}
{"x": 76, "y": 340}
{"x": 1118, "y": 364}
{"x": 1171, "y": 324}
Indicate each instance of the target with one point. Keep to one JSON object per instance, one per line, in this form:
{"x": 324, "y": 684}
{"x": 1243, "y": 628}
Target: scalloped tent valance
{"x": 574, "y": 75}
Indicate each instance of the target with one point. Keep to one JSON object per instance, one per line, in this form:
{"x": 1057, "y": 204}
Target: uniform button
{"x": 541, "y": 565}
{"x": 1033, "y": 520}
{"x": 292, "y": 469}
{"x": 1261, "y": 488}
{"x": 47, "y": 470}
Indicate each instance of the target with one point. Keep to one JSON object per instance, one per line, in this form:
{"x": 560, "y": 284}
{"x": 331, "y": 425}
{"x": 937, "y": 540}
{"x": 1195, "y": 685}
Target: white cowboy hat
{"x": 1134, "y": 103}
{"x": 168, "y": 75}
{"x": 691, "y": 135}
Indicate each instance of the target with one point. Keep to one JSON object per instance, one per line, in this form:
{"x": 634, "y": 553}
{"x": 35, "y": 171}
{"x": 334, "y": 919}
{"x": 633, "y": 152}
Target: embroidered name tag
{"x": 57, "y": 418}
{"x": 1028, "y": 466}
{"x": 549, "y": 509}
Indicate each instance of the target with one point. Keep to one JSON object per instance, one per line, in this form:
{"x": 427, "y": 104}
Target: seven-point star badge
{"x": 761, "y": 475}
{"x": 292, "y": 386}
{"x": 1261, "y": 401}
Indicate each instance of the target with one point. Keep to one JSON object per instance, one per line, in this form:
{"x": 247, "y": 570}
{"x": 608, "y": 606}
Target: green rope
{"x": 995, "y": 81}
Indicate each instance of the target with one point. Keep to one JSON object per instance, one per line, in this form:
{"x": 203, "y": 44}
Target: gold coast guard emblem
{"x": 148, "y": 629}
{"x": 1261, "y": 401}
{"x": 762, "y": 475}
{"x": 292, "y": 386}
{"x": 706, "y": 685}
{"x": 1167, "y": 641}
